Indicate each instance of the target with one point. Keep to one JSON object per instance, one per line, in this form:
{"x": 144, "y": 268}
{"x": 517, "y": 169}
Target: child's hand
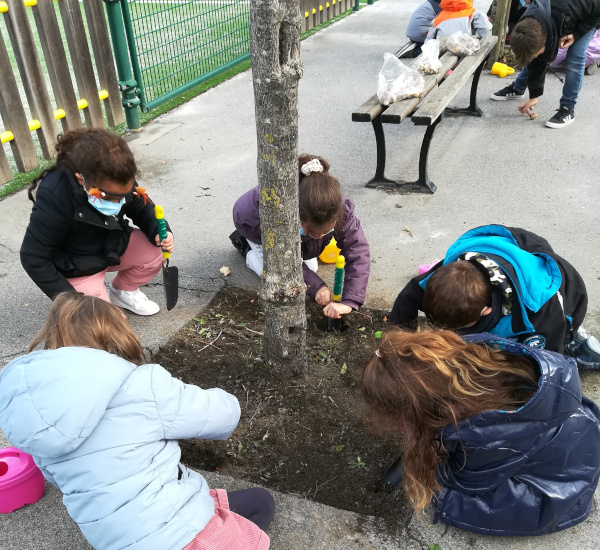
{"x": 335, "y": 310}
{"x": 527, "y": 107}
{"x": 323, "y": 296}
{"x": 566, "y": 41}
{"x": 167, "y": 244}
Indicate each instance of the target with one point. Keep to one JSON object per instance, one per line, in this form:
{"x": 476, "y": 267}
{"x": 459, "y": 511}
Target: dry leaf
{"x": 225, "y": 271}
{"x": 532, "y": 116}
{"x": 407, "y": 230}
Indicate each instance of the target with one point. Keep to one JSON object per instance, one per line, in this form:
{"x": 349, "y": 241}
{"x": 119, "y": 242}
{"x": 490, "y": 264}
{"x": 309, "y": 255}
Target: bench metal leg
{"x": 380, "y": 178}
{"x": 472, "y": 109}
{"x": 423, "y": 184}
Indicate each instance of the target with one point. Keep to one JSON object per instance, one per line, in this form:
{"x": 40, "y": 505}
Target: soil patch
{"x": 305, "y": 436}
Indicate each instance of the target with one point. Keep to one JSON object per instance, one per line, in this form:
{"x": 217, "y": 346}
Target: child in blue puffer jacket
{"x": 103, "y": 427}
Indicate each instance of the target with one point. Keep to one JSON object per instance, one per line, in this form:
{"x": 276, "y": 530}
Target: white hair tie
{"x": 311, "y": 166}
{"x": 378, "y": 353}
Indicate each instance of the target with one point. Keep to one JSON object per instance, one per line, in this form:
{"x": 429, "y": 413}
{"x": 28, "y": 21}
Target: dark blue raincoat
{"x": 528, "y": 472}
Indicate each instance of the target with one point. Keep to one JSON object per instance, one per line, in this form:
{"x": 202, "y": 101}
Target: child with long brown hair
{"x": 324, "y": 213}
{"x": 103, "y": 427}
{"x": 497, "y": 433}
{"x": 78, "y": 230}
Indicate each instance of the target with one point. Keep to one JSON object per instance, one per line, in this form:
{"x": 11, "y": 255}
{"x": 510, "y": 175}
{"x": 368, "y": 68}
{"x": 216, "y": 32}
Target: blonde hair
{"x": 87, "y": 321}
{"x": 424, "y": 381}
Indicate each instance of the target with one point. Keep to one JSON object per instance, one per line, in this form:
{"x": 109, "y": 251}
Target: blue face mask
{"x": 105, "y": 207}
{"x": 303, "y": 234}
{"x": 522, "y": 2}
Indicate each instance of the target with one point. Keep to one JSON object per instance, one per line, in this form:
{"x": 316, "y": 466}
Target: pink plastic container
{"x": 424, "y": 268}
{"x": 21, "y": 481}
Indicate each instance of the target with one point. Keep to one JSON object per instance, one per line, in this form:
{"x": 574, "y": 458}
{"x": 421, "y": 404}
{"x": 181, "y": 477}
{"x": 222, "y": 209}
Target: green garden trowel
{"x": 170, "y": 274}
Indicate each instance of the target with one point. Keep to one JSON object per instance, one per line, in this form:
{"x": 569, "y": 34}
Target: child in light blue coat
{"x": 103, "y": 427}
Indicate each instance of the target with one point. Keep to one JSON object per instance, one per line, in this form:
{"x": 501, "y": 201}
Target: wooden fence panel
{"x": 13, "y": 116}
{"x": 56, "y": 61}
{"x": 103, "y": 56}
{"x": 70, "y": 12}
{"x": 21, "y": 37}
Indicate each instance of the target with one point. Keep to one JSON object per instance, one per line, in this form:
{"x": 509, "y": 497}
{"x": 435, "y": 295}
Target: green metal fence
{"x": 177, "y": 44}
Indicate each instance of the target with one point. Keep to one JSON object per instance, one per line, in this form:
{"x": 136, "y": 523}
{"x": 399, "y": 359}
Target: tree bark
{"x": 276, "y": 69}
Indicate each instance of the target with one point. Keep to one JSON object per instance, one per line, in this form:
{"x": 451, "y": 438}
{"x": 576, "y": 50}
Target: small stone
{"x": 398, "y": 205}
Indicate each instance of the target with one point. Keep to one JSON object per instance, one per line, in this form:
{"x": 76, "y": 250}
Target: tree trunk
{"x": 276, "y": 69}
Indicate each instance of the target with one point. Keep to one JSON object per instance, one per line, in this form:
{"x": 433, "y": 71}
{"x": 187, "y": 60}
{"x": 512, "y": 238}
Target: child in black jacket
{"x": 506, "y": 281}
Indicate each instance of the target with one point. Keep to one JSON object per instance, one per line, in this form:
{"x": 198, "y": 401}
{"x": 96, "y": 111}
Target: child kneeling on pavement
{"x": 496, "y": 433}
{"x": 509, "y": 282}
{"x": 324, "y": 213}
{"x": 103, "y": 427}
{"x": 78, "y": 230}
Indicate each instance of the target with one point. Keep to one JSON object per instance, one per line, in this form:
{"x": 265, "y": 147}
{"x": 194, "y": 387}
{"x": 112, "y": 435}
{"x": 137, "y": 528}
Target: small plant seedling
{"x": 201, "y": 321}
{"x": 338, "y": 448}
{"x": 239, "y": 453}
{"x": 435, "y": 546}
{"x": 247, "y": 357}
{"x": 362, "y": 329}
{"x": 343, "y": 369}
{"x": 358, "y": 464}
{"x": 379, "y": 334}
{"x": 323, "y": 354}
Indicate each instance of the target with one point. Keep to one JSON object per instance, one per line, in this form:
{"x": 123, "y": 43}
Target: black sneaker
{"x": 508, "y": 93}
{"x": 563, "y": 117}
{"x": 394, "y": 475}
{"x": 240, "y": 242}
{"x": 588, "y": 354}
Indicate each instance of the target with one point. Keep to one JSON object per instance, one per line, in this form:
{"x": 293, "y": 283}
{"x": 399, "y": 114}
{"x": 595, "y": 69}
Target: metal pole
{"x": 127, "y": 83}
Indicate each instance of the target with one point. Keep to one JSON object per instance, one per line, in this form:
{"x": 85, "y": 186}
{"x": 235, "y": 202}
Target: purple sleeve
{"x": 246, "y": 216}
{"x": 355, "y": 248}
{"x": 312, "y": 280}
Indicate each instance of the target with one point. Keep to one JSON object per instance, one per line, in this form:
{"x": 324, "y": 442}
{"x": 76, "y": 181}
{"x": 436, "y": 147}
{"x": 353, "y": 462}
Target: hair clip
{"x": 311, "y": 166}
{"x": 378, "y": 353}
{"x": 140, "y": 192}
{"x": 96, "y": 193}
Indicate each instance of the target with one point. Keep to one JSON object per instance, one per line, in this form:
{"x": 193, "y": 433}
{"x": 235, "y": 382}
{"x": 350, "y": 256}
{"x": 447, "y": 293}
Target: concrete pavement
{"x": 197, "y": 159}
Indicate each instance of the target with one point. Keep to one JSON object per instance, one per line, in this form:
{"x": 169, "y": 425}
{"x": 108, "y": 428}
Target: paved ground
{"x": 198, "y": 159}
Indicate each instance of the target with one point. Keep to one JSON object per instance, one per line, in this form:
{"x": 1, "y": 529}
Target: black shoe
{"x": 588, "y": 354}
{"x": 240, "y": 242}
{"x": 508, "y": 93}
{"x": 563, "y": 117}
{"x": 394, "y": 476}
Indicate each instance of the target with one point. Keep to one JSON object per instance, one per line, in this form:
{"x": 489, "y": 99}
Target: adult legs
{"x": 255, "y": 504}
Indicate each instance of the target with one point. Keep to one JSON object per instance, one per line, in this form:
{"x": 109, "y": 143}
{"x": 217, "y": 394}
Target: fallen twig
{"x": 254, "y": 331}
{"x": 259, "y": 404}
{"x": 332, "y": 400}
{"x": 234, "y": 333}
{"x": 207, "y": 343}
{"x": 211, "y": 343}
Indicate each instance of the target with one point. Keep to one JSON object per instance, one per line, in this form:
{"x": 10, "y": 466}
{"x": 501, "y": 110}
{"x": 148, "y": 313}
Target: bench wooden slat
{"x": 398, "y": 111}
{"x": 435, "y": 103}
{"x": 368, "y": 110}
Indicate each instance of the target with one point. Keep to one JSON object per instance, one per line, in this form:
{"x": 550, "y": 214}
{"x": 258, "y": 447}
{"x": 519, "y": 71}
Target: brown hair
{"x": 97, "y": 154}
{"x": 425, "y": 381}
{"x": 87, "y": 321}
{"x": 320, "y": 196}
{"x": 456, "y": 294}
{"x": 526, "y": 40}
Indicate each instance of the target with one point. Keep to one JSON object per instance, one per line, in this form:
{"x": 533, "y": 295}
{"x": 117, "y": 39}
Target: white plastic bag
{"x": 462, "y": 44}
{"x": 396, "y": 81}
{"x": 428, "y": 62}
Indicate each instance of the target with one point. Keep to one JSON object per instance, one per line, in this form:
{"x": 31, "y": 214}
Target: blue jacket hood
{"x": 44, "y": 416}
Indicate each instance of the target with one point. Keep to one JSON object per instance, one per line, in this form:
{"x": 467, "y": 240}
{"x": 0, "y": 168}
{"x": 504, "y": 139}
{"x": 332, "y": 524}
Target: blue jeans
{"x": 575, "y": 69}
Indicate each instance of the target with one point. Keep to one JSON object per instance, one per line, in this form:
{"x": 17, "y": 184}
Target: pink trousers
{"x": 139, "y": 265}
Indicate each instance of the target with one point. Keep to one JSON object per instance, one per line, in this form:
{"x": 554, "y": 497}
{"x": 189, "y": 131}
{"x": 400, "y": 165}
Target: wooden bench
{"x": 427, "y": 110}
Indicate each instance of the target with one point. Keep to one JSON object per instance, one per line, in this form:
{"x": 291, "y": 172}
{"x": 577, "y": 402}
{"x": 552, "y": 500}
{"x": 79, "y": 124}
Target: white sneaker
{"x": 133, "y": 300}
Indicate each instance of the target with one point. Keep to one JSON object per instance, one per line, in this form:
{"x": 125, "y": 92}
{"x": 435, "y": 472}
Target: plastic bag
{"x": 428, "y": 62}
{"x": 462, "y": 44}
{"x": 396, "y": 81}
